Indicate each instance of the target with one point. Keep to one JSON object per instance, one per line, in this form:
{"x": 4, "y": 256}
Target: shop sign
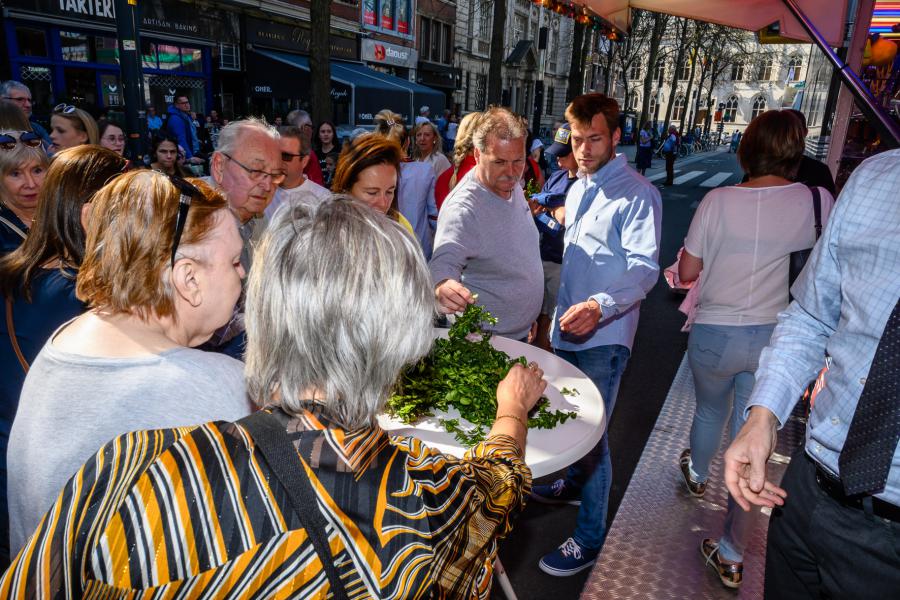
{"x": 169, "y": 17}
{"x": 389, "y": 54}
{"x": 280, "y": 36}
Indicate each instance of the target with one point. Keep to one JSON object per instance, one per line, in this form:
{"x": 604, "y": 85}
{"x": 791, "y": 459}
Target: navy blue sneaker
{"x": 556, "y": 493}
{"x": 568, "y": 559}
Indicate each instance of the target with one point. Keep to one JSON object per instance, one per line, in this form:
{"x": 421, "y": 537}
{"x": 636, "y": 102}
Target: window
{"x": 192, "y": 59}
{"x": 387, "y": 15}
{"x": 634, "y": 73}
{"x": 520, "y": 28}
{"x": 229, "y": 57}
{"x": 660, "y": 71}
{"x": 74, "y": 46}
{"x": 485, "y": 15}
{"x": 480, "y": 92}
{"x": 168, "y": 57}
{"x": 435, "y": 41}
{"x": 685, "y": 73}
{"x": 759, "y": 107}
{"x": 764, "y": 72}
{"x": 795, "y": 65}
{"x": 634, "y": 103}
{"x": 678, "y": 108}
{"x": 32, "y": 42}
{"x": 652, "y": 107}
{"x": 105, "y": 50}
{"x": 148, "y": 54}
{"x": 731, "y": 106}
{"x": 549, "y": 92}
{"x": 737, "y": 71}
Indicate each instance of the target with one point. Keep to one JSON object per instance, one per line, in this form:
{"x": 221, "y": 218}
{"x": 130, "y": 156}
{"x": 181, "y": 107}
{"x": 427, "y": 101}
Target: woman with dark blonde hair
{"x": 415, "y": 193}
{"x": 161, "y": 273}
{"x": 429, "y": 146}
{"x": 37, "y": 280}
{"x": 23, "y": 165}
{"x": 741, "y": 238}
{"x": 368, "y": 170}
{"x": 71, "y": 126}
{"x": 463, "y": 158}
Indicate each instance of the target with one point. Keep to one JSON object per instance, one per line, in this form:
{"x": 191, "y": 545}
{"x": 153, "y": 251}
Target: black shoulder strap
{"x": 280, "y": 454}
{"x": 817, "y": 209}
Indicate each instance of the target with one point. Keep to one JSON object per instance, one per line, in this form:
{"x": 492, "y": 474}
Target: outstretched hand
{"x": 745, "y": 462}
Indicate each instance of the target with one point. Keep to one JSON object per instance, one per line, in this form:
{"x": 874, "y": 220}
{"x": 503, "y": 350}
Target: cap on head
{"x": 562, "y": 142}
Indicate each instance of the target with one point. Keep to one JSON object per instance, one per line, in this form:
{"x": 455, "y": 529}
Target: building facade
{"x": 526, "y": 59}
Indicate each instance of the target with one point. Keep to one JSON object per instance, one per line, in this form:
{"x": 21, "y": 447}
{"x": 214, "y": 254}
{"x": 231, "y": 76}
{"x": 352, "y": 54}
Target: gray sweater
{"x": 72, "y": 404}
{"x": 490, "y": 245}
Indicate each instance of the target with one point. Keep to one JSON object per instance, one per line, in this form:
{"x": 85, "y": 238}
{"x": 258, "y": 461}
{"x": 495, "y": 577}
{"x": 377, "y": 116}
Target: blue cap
{"x": 562, "y": 142}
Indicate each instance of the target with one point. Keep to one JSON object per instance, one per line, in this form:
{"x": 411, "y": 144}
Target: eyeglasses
{"x": 188, "y": 192}
{"x": 9, "y": 139}
{"x": 257, "y": 175}
{"x": 114, "y": 138}
{"x": 289, "y": 156}
{"x": 66, "y": 109}
{"x": 19, "y": 99}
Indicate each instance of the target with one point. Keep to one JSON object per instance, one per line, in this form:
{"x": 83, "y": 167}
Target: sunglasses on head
{"x": 66, "y": 109}
{"x": 9, "y": 139}
{"x": 188, "y": 192}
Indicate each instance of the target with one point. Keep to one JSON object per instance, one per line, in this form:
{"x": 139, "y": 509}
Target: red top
{"x": 313, "y": 171}
{"x": 442, "y": 186}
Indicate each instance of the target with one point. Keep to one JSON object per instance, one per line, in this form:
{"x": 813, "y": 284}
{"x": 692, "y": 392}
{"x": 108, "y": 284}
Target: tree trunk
{"x": 655, "y": 39}
{"x": 687, "y": 94}
{"x": 320, "y": 61}
{"x": 679, "y": 62}
{"x": 576, "y": 67}
{"x": 709, "y": 93}
{"x": 495, "y": 70}
{"x": 607, "y": 75}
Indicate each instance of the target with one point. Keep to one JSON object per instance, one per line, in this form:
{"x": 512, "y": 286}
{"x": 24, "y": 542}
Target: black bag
{"x": 797, "y": 260}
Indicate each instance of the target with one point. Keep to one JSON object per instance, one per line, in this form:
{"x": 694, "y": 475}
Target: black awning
{"x": 523, "y": 48}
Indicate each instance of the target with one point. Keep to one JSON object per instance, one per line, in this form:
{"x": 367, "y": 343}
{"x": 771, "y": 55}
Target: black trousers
{"x": 670, "y": 167}
{"x": 820, "y": 548}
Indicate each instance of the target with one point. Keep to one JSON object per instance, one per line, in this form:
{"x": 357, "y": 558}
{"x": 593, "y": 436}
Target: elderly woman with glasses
{"x": 71, "y": 126}
{"x": 308, "y": 497}
{"x": 161, "y": 273}
{"x": 37, "y": 280}
{"x": 23, "y": 164}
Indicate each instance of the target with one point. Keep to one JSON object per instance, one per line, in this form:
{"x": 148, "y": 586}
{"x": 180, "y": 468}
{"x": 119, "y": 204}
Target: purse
{"x": 11, "y": 330}
{"x": 798, "y": 258}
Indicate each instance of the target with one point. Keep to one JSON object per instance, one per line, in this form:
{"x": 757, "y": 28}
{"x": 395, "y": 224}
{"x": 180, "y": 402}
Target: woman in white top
{"x": 415, "y": 193}
{"x": 741, "y": 238}
{"x": 428, "y": 147}
{"x": 161, "y": 273}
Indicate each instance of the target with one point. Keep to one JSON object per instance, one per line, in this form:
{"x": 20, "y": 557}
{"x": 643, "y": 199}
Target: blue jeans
{"x": 593, "y": 473}
{"x": 723, "y": 360}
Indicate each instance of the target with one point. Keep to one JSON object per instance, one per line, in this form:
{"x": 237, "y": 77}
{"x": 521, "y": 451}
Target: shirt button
{"x": 862, "y": 381}
{"x": 835, "y": 421}
{"x": 818, "y": 448}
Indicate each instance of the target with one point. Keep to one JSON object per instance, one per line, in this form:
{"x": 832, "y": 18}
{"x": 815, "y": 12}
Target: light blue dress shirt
{"x": 613, "y": 225}
{"x": 842, "y": 302}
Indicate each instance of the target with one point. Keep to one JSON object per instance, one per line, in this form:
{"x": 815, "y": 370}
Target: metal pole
{"x": 887, "y": 128}
{"x": 128, "y": 18}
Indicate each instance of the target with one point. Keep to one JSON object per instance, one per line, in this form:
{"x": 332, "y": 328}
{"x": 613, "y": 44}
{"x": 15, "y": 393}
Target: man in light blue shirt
{"x": 613, "y": 220}
{"x": 831, "y": 534}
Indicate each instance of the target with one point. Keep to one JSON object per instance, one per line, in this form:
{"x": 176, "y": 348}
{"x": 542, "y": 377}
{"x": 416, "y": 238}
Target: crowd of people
{"x": 215, "y": 350}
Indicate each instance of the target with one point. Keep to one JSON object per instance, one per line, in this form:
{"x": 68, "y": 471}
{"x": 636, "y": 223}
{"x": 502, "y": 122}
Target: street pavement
{"x": 658, "y": 349}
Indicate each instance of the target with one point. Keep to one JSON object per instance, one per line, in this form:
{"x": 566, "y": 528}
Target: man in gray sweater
{"x": 486, "y": 242}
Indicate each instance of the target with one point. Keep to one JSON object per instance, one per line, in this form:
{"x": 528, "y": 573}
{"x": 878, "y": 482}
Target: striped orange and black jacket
{"x": 197, "y": 513}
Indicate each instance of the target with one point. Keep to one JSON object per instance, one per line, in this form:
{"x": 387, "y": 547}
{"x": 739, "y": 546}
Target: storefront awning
{"x": 370, "y": 91}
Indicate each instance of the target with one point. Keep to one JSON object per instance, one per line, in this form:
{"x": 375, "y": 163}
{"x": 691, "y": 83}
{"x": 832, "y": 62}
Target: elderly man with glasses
{"x": 19, "y": 93}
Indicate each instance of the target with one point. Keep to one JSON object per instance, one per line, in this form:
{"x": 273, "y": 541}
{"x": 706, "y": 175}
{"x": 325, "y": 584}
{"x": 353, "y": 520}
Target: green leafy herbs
{"x": 462, "y": 372}
{"x": 569, "y": 392}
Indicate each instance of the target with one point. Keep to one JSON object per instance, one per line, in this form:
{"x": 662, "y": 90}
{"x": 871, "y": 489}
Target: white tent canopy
{"x": 829, "y": 16}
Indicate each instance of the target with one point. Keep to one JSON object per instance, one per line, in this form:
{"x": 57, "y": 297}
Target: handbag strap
{"x": 13, "y": 226}
{"x": 817, "y": 210}
{"x": 279, "y": 452}
{"x": 11, "y": 330}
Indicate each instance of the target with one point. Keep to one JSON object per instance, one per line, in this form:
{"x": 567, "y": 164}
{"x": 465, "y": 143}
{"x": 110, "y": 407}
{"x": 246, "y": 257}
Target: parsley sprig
{"x": 463, "y": 371}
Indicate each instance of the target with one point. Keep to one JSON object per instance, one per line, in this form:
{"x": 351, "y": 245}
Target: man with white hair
{"x": 19, "y": 94}
{"x": 486, "y": 242}
{"x": 300, "y": 118}
{"x": 424, "y": 115}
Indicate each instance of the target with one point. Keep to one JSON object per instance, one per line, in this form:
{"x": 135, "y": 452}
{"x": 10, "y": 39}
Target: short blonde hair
{"x": 499, "y": 123}
{"x": 130, "y": 238}
{"x": 17, "y": 158}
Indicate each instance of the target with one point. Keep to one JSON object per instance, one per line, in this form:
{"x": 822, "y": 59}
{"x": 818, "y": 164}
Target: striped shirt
{"x": 197, "y": 513}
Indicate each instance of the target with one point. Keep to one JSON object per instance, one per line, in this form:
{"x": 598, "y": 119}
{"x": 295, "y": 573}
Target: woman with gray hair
{"x": 310, "y": 492}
